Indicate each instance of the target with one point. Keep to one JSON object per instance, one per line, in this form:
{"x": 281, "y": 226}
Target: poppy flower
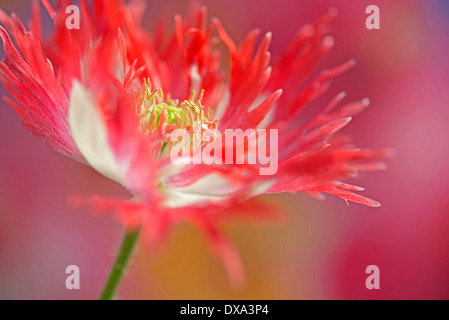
{"x": 111, "y": 95}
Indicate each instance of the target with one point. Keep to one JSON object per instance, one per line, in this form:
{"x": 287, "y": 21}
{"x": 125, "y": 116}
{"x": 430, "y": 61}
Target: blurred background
{"x": 321, "y": 249}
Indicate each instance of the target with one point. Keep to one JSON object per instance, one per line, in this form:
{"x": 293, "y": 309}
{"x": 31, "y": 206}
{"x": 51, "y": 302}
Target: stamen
{"x": 152, "y": 104}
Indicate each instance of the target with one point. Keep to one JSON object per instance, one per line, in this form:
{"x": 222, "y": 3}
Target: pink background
{"x": 321, "y": 249}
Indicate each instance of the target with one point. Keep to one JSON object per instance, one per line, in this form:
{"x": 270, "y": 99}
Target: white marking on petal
{"x": 119, "y": 72}
{"x": 269, "y": 117}
{"x": 261, "y": 188}
{"x": 211, "y": 188}
{"x": 89, "y": 132}
{"x": 259, "y": 100}
{"x": 196, "y": 79}
{"x": 223, "y": 104}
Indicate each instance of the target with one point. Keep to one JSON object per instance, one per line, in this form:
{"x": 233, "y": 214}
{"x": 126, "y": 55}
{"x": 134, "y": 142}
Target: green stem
{"x": 120, "y": 265}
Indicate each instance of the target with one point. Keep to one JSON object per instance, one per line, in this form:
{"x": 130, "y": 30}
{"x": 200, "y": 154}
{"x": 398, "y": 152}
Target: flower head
{"x": 112, "y": 94}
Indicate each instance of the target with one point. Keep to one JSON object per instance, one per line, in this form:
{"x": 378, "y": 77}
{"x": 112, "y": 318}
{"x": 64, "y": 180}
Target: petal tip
{"x": 333, "y": 12}
{"x": 366, "y": 102}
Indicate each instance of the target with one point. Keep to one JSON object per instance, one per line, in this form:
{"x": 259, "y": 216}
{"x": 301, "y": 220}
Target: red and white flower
{"x": 108, "y": 95}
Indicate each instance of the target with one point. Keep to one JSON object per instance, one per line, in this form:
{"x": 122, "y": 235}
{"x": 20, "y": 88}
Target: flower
{"x": 110, "y": 95}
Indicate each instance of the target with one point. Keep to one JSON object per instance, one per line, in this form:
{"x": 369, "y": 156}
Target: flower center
{"x": 159, "y": 112}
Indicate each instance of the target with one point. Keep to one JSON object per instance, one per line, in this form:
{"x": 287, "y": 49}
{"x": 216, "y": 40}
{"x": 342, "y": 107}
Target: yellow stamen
{"x": 152, "y": 104}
